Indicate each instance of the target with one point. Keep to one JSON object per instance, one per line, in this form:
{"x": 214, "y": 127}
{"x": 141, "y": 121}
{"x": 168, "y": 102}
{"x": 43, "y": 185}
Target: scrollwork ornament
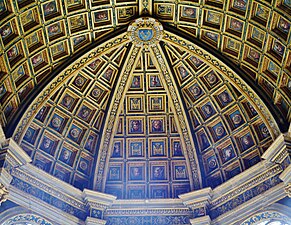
{"x": 3, "y": 193}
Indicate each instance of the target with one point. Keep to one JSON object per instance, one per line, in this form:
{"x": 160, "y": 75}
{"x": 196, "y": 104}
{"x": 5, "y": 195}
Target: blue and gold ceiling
{"x": 156, "y": 132}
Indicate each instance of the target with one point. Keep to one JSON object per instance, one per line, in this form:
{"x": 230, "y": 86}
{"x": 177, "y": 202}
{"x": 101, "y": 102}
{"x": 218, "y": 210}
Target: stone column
{"x": 198, "y": 202}
{"x": 97, "y": 203}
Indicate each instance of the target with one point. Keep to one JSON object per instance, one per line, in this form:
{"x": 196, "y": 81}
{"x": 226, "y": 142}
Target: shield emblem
{"x": 145, "y": 34}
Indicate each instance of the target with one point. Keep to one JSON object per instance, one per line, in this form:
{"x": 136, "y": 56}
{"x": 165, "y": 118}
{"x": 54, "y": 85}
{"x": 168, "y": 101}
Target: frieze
{"x": 252, "y": 183}
{"x": 10, "y": 163}
{"x": 244, "y": 197}
{"x": 120, "y": 212}
{"x": 62, "y": 77}
{"x": 112, "y": 119}
{"x": 227, "y": 72}
{"x": 46, "y": 197}
{"x": 153, "y": 220}
{"x": 181, "y": 118}
{"x": 47, "y": 189}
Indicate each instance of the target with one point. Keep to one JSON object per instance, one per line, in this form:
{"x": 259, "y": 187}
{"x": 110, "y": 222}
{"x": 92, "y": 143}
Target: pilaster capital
{"x": 285, "y": 176}
{"x": 13, "y": 154}
{"x": 97, "y": 203}
{"x": 94, "y": 221}
{"x": 196, "y": 199}
{"x": 205, "y": 220}
{"x": 98, "y": 199}
{"x": 278, "y": 150}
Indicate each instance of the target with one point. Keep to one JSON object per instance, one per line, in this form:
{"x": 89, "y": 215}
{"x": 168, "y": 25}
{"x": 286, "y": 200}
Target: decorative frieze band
{"x": 271, "y": 172}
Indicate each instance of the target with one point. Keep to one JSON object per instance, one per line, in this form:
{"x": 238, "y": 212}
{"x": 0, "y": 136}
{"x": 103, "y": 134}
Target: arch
{"x": 21, "y": 216}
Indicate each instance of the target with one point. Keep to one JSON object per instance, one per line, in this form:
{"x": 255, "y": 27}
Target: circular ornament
{"x": 96, "y": 92}
{"x": 56, "y": 122}
{"x": 219, "y": 131}
{"x": 74, "y": 132}
{"x": 212, "y": 163}
{"x": 211, "y": 78}
{"x": 145, "y": 31}
{"x": 237, "y": 119}
{"x": 265, "y": 131}
{"x": 83, "y": 165}
{"x": 196, "y": 91}
{"x": 79, "y": 81}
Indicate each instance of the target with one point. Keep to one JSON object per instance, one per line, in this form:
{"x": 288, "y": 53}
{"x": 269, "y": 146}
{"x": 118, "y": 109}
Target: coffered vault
{"x": 191, "y": 96}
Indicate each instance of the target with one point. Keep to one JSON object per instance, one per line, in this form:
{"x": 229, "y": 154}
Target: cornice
{"x": 285, "y": 176}
{"x": 148, "y": 203}
{"x": 247, "y": 179}
{"x": 17, "y": 155}
{"x": 250, "y": 207}
{"x": 73, "y": 198}
{"x": 278, "y": 150}
{"x": 199, "y": 198}
{"x": 47, "y": 210}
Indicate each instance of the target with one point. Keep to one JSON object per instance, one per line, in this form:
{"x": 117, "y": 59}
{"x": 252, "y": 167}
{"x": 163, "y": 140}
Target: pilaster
{"x": 280, "y": 150}
{"x": 97, "y": 204}
{"x": 205, "y": 220}
{"x": 198, "y": 202}
{"x": 11, "y": 156}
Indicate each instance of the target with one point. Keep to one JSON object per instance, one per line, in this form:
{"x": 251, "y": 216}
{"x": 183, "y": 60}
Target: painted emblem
{"x": 145, "y": 31}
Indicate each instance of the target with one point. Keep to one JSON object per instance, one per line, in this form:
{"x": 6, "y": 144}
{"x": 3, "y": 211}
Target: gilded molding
{"x": 111, "y": 120}
{"x": 191, "y": 151}
{"x": 145, "y": 7}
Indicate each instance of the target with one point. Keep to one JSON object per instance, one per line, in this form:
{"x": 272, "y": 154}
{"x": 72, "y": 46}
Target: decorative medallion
{"x": 145, "y": 31}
